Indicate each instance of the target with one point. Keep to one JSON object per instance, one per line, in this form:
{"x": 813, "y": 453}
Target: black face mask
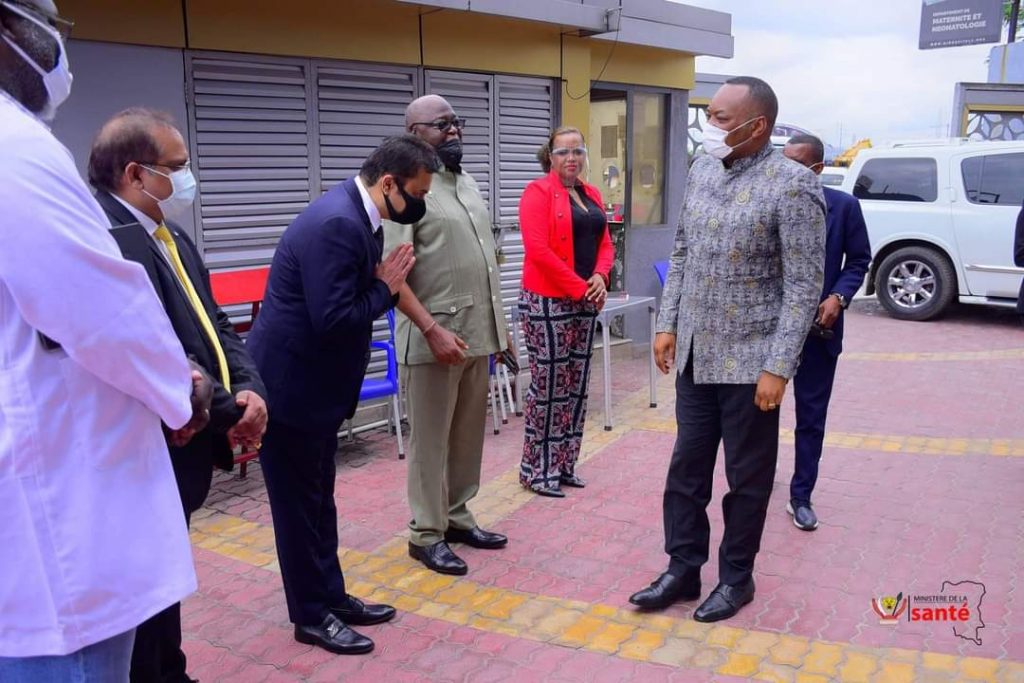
{"x": 450, "y": 154}
{"x": 414, "y": 210}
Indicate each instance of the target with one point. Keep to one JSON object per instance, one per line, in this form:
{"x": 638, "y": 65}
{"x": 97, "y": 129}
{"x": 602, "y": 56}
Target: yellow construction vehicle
{"x": 846, "y": 158}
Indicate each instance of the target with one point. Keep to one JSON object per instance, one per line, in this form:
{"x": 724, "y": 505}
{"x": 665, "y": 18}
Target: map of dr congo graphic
{"x": 974, "y": 592}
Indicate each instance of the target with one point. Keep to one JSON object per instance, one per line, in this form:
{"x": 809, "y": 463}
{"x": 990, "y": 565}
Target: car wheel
{"x": 915, "y": 283}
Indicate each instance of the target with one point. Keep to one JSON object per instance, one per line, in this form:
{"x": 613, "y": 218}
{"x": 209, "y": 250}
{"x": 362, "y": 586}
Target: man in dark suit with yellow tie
{"x": 139, "y": 166}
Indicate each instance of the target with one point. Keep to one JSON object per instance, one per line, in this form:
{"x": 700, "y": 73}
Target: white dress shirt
{"x": 371, "y": 208}
{"x": 93, "y": 536}
{"x": 149, "y": 224}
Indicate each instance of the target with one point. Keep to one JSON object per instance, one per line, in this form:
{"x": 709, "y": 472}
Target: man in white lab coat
{"x": 92, "y": 537}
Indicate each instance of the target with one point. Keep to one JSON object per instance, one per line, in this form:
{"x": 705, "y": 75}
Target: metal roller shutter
{"x": 358, "y": 106}
{"x": 472, "y": 97}
{"x": 270, "y": 134}
{"x": 525, "y": 116}
{"x": 250, "y": 149}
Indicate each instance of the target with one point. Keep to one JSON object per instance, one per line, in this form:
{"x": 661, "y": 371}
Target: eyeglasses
{"x": 566, "y": 151}
{"x": 443, "y": 125}
{"x": 26, "y": 11}
{"x": 173, "y": 167}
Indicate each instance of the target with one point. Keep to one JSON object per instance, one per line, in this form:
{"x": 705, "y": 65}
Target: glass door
{"x": 608, "y": 169}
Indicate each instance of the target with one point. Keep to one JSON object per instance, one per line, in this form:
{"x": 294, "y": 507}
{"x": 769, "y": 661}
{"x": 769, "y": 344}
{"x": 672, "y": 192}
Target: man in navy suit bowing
{"x": 847, "y": 256}
{"x": 311, "y": 342}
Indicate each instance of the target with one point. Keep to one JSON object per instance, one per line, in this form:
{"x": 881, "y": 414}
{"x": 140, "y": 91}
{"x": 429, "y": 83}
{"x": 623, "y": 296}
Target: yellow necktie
{"x": 164, "y": 235}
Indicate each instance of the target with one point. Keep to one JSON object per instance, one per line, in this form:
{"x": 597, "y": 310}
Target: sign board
{"x": 950, "y": 23}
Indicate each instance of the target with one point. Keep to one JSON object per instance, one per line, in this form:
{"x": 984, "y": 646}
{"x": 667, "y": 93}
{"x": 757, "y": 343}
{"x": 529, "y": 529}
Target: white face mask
{"x": 58, "y": 81}
{"x": 183, "y": 192}
{"x": 714, "y": 140}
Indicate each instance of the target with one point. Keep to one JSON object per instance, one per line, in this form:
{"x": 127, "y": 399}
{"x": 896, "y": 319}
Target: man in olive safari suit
{"x": 451, "y": 322}
{"x": 742, "y": 290}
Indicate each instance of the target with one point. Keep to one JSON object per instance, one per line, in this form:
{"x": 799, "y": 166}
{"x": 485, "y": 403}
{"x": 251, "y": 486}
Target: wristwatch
{"x": 842, "y": 299}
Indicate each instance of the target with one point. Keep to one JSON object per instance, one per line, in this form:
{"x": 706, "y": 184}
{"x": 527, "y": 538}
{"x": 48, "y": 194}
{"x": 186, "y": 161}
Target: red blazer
{"x": 545, "y": 218}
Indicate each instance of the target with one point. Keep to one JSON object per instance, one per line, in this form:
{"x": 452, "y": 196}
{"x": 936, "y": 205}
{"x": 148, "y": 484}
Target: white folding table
{"x": 614, "y": 305}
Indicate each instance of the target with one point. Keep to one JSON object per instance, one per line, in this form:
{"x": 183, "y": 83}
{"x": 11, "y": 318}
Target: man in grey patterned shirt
{"x": 741, "y": 293}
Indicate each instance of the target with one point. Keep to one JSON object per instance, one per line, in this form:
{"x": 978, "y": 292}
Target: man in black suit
{"x": 311, "y": 343}
{"x": 139, "y": 166}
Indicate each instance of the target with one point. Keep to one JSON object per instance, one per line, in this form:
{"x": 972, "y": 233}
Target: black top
{"x": 588, "y": 228}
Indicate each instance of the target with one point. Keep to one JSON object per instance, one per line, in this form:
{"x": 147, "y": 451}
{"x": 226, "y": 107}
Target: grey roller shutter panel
{"x": 525, "y": 117}
{"x": 511, "y": 274}
{"x": 472, "y": 97}
{"x": 358, "y": 106}
{"x": 250, "y": 149}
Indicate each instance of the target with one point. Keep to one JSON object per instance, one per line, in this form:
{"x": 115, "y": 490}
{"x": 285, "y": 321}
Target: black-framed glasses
{"x": 443, "y": 125}
{"x": 566, "y": 151}
{"x": 60, "y": 24}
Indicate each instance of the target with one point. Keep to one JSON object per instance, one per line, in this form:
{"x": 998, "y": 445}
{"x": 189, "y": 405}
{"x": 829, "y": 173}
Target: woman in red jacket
{"x": 565, "y": 276}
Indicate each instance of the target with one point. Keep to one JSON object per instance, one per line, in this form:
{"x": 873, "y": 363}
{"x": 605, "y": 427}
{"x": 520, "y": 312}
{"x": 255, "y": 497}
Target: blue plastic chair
{"x": 379, "y": 387}
{"x": 661, "y": 268}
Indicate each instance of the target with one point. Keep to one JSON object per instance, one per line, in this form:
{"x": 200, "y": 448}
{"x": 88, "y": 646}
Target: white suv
{"x": 941, "y": 217}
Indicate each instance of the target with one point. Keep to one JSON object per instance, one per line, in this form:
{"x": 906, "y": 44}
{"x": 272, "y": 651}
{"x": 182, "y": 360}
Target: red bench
{"x": 232, "y": 288}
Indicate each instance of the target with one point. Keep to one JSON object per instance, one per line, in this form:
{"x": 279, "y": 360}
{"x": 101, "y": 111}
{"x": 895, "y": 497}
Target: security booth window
{"x": 898, "y": 180}
{"x": 608, "y": 150}
{"x": 647, "y": 203}
{"x": 628, "y": 130}
{"x": 994, "y": 179}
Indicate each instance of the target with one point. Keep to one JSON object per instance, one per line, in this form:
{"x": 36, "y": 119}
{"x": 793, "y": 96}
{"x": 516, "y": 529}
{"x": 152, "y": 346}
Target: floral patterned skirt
{"x": 559, "y": 340}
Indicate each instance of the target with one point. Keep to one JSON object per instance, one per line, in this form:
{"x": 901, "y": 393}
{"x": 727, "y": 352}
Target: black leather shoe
{"x": 666, "y": 590}
{"x": 724, "y": 602}
{"x": 359, "y": 613}
{"x": 548, "y": 491}
{"x": 476, "y": 538}
{"x": 438, "y": 557}
{"x": 334, "y": 636}
{"x": 572, "y": 480}
{"x": 803, "y": 515}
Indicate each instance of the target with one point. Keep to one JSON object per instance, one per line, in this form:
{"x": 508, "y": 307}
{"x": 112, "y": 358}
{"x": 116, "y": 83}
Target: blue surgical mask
{"x": 58, "y": 81}
{"x": 183, "y": 192}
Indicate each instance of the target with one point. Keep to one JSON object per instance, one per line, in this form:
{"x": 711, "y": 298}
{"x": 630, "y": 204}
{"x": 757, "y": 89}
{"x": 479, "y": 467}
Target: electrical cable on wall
{"x": 607, "y": 60}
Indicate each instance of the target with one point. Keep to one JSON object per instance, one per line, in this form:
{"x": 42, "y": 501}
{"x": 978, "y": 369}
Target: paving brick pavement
{"x": 921, "y": 484}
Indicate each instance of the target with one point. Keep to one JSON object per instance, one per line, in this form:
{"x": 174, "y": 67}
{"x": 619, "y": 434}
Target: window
{"x": 627, "y": 153}
{"x": 647, "y": 200}
{"x": 994, "y": 179}
{"x": 608, "y": 150}
{"x": 898, "y": 180}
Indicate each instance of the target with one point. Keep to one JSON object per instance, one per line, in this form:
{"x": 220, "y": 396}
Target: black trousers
{"x": 157, "y": 656}
{"x": 706, "y": 415}
{"x": 299, "y": 472}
